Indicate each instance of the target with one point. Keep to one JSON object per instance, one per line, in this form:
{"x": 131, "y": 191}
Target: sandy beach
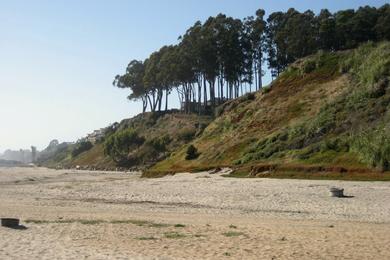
{"x": 71, "y": 214}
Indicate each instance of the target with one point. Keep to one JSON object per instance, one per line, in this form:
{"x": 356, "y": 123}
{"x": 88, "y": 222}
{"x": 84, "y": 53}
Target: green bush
{"x": 159, "y": 143}
{"x": 186, "y": 134}
{"x": 373, "y": 148}
{"x": 118, "y": 145}
{"x": 192, "y": 153}
{"x": 369, "y": 63}
{"x": 248, "y": 97}
{"x": 265, "y": 90}
{"x": 81, "y": 147}
{"x": 308, "y": 66}
{"x": 319, "y": 60}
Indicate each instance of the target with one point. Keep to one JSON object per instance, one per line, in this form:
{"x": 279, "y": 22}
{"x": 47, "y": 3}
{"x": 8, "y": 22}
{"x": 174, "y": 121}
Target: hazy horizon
{"x": 59, "y": 58}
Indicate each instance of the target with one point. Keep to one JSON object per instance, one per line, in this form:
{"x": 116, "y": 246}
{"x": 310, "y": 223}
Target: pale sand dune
{"x": 222, "y": 217}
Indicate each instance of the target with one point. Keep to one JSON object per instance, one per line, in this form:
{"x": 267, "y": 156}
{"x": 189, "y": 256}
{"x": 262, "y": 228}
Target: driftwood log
{"x": 10, "y": 222}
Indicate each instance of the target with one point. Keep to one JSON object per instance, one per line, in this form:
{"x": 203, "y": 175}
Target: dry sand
{"x": 94, "y": 215}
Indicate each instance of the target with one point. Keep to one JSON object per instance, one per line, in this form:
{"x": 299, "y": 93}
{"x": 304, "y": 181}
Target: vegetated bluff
{"x": 137, "y": 142}
{"x": 326, "y": 114}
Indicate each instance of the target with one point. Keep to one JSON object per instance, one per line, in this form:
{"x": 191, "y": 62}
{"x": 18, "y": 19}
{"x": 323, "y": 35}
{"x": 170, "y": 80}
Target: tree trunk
{"x": 221, "y": 83}
{"x": 255, "y": 70}
{"x": 151, "y": 103}
{"x": 199, "y": 96}
{"x": 166, "y": 99}
{"x": 260, "y": 74}
{"x": 204, "y": 93}
{"x": 144, "y": 104}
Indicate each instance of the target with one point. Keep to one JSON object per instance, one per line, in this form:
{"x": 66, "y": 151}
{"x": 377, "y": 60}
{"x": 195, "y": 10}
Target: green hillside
{"x": 325, "y": 116}
{"x": 161, "y": 134}
{"x": 326, "y": 113}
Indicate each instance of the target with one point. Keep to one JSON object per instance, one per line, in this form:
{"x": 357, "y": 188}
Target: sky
{"x": 58, "y": 58}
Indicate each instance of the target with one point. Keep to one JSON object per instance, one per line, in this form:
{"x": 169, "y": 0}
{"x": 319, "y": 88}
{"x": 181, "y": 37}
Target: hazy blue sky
{"x": 58, "y": 58}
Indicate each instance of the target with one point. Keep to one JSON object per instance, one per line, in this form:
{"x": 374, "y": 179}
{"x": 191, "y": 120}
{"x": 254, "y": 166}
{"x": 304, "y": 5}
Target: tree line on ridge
{"x": 223, "y": 57}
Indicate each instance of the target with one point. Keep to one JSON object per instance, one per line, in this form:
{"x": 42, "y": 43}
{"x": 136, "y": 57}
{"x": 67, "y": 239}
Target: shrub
{"x": 308, "y": 66}
{"x": 187, "y": 134}
{"x": 159, "y": 143}
{"x": 191, "y": 153}
{"x": 118, "y": 145}
{"x": 219, "y": 110}
{"x": 265, "y": 90}
{"x": 373, "y": 148}
{"x": 369, "y": 63}
{"x": 248, "y": 97}
{"x": 81, "y": 147}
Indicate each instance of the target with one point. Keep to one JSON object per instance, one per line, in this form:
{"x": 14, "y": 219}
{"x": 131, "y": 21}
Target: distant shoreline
{"x": 10, "y": 163}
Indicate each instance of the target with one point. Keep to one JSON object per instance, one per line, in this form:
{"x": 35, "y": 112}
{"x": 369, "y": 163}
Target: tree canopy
{"x": 223, "y": 57}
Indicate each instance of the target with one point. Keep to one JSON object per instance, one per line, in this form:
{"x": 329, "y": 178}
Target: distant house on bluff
{"x": 96, "y": 135}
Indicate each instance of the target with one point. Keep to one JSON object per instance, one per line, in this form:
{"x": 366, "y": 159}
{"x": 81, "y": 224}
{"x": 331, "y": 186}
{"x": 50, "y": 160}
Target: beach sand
{"x": 71, "y": 214}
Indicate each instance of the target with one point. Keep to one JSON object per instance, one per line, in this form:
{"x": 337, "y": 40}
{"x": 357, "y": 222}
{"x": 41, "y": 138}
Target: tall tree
{"x": 133, "y": 79}
{"x": 258, "y": 42}
{"x": 382, "y": 27}
{"x": 326, "y": 30}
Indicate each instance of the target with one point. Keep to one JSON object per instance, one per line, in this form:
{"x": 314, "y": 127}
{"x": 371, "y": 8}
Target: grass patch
{"x": 315, "y": 173}
{"x": 140, "y": 223}
{"x": 65, "y": 221}
{"x": 174, "y": 235}
{"x": 232, "y": 226}
{"x": 199, "y": 235}
{"x": 97, "y": 221}
{"x": 158, "y": 225}
{"x": 35, "y": 221}
{"x": 179, "y": 225}
{"x": 92, "y": 222}
{"x": 373, "y": 148}
{"x": 233, "y": 234}
{"x": 146, "y": 238}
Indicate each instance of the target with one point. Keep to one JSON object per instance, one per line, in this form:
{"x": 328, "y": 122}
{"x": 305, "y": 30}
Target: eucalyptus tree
{"x": 258, "y": 45}
{"x": 326, "y": 30}
{"x": 382, "y": 27}
{"x": 133, "y": 79}
{"x": 363, "y": 22}
{"x": 221, "y": 56}
{"x": 275, "y": 43}
{"x": 152, "y": 84}
{"x": 344, "y": 30}
{"x": 185, "y": 76}
{"x": 208, "y": 52}
{"x": 300, "y": 32}
{"x": 167, "y": 71}
{"x": 248, "y": 46}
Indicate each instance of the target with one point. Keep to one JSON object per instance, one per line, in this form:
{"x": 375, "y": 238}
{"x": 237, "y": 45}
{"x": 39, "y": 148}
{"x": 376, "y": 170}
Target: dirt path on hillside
{"x": 94, "y": 215}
